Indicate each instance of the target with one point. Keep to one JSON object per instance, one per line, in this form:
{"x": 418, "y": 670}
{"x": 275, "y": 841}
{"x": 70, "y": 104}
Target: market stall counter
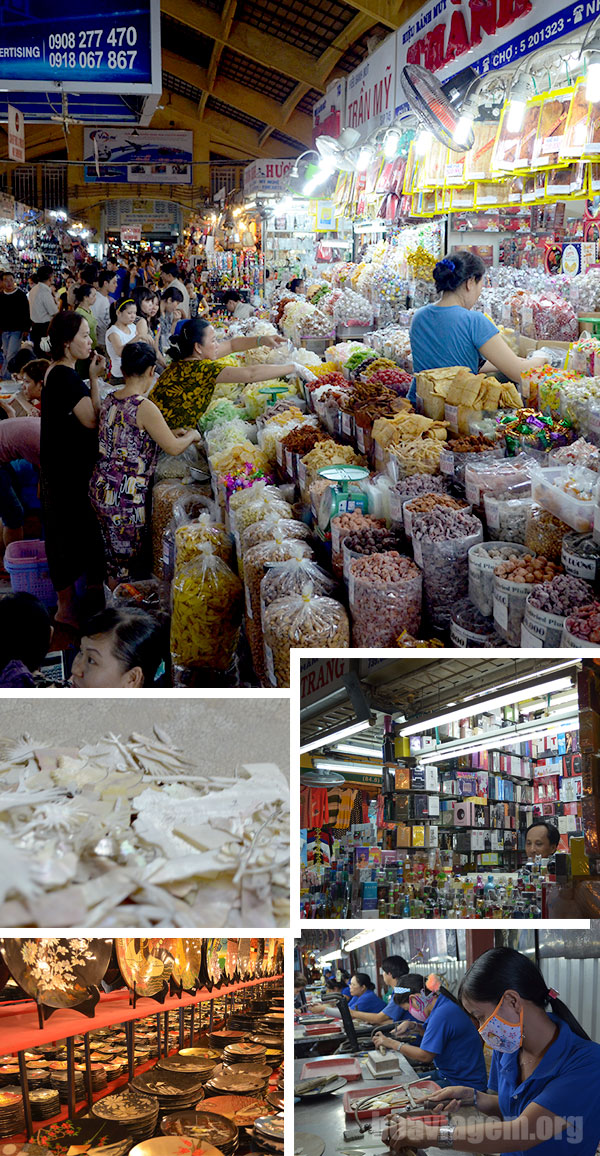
{"x": 325, "y": 1116}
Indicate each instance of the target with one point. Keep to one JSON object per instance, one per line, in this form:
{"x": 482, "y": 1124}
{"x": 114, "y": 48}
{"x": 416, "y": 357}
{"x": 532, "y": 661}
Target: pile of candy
{"x": 585, "y": 624}
{"x": 561, "y": 595}
{"x": 533, "y": 430}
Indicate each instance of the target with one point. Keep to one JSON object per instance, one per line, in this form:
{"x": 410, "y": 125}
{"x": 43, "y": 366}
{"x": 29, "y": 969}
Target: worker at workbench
{"x": 450, "y": 1039}
{"x": 396, "y": 1011}
{"x": 544, "y": 1082}
{"x": 363, "y": 998}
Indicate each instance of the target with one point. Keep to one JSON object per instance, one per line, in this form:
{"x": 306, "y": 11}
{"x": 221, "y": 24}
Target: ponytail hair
{"x": 364, "y": 980}
{"x": 453, "y": 271}
{"x": 413, "y": 984}
{"x": 192, "y": 333}
{"x": 503, "y": 969}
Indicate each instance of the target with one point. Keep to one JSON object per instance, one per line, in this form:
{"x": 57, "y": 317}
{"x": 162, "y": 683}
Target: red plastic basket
{"x": 27, "y": 566}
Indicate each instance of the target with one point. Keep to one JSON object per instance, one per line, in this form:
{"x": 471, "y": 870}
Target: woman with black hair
{"x": 121, "y": 331}
{"x": 542, "y": 838}
{"x": 397, "y": 1009}
{"x": 172, "y": 313}
{"x": 544, "y": 1082}
{"x": 120, "y": 648}
{"x": 450, "y": 1039}
{"x": 184, "y": 390}
{"x": 363, "y": 997}
{"x": 453, "y": 332}
{"x": 68, "y": 451}
{"x": 131, "y": 432}
{"x": 296, "y": 285}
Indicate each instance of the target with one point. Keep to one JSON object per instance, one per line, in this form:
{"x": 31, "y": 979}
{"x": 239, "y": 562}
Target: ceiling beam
{"x": 227, "y": 16}
{"x": 240, "y": 97}
{"x": 392, "y": 13}
{"x": 222, "y": 130}
{"x": 248, "y": 41}
{"x": 328, "y": 60}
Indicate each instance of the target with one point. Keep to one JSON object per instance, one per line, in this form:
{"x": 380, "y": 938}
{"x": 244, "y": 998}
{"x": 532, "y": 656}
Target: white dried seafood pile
{"x": 131, "y": 832}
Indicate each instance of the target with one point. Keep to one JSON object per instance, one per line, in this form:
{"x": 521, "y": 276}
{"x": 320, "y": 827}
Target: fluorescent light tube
{"x": 328, "y": 739}
{"x": 328, "y": 765}
{"x": 348, "y": 749}
{"x": 331, "y": 956}
{"x": 473, "y": 708}
{"x": 592, "y": 82}
{"x": 362, "y": 938}
{"x": 501, "y": 740}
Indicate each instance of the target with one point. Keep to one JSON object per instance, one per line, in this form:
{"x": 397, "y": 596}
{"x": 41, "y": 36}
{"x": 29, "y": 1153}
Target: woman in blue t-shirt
{"x": 544, "y": 1084}
{"x": 452, "y": 332}
{"x": 396, "y": 1010}
{"x": 363, "y": 997}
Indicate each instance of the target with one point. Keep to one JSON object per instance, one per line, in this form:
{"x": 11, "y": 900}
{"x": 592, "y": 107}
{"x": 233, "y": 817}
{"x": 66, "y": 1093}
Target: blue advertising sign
{"x": 81, "y": 45}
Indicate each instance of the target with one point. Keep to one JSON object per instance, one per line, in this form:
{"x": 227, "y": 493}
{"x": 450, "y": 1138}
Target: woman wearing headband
{"x": 544, "y": 1084}
{"x": 122, "y": 331}
{"x": 452, "y": 332}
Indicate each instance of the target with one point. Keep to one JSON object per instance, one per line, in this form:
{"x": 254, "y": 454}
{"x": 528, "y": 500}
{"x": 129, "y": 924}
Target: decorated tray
{"x": 242, "y": 1110}
{"x": 145, "y": 964}
{"x": 60, "y": 973}
{"x": 187, "y": 958}
{"x": 85, "y": 1134}
{"x": 205, "y": 1126}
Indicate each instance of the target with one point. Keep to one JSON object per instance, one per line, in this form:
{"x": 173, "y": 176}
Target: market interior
{"x": 141, "y": 1045}
{"x": 321, "y": 299}
{"x": 442, "y": 788}
{"x": 386, "y": 1026}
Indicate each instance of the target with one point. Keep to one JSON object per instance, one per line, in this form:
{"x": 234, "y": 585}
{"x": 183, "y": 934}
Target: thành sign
{"x": 16, "y": 134}
{"x": 83, "y": 46}
{"x": 131, "y": 232}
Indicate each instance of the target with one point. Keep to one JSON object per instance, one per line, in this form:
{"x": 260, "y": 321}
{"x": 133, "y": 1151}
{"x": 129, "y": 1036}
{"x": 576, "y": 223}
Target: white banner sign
{"x": 370, "y": 91}
{"x": 445, "y": 37}
{"x": 16, "y": 134}
{"x": 267, "y": 176}
{"x": 140, "y": 155}
{"x": 330, "y": 111}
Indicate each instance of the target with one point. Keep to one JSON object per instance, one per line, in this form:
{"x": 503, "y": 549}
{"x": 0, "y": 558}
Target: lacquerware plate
{"x": 242, "y": 1110}
{"x": 145, "y": 964}
{"x": 60, "y": 973}
{"x": 85, "y": 1134}
{"x": 172, "y": 1146}
{"x": 205, "y": 1126}
{"x": 187, "y": 959}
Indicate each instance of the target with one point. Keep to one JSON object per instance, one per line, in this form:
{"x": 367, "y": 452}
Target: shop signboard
{"x": 138, "y": 156}
{"x": 445, "y": 37}
{"x": 131, "y": 232}
{"x": 16, "y": 134}
{"x": 320, "y": 677}
{"x": 81, "y": 45}
{"x": 148, "y": 215}
{"x": 370, "y": 91}
{"x": 329, "y": 112}
{"x": 267, "y": 177}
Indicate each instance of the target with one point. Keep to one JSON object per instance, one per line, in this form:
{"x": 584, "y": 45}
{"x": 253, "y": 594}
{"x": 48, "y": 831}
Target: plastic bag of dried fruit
{"x": 291, "y": 577}
{"x": 304, "y": 619}
{"x": 208, "y": 603}
{"x": 256, "y": 561}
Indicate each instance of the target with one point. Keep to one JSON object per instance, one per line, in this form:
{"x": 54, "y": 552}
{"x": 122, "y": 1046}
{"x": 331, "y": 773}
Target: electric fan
{"x": 436, "y": 106}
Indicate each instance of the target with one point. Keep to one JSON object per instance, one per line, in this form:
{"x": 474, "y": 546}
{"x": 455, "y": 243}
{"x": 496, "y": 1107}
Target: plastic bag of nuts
{"x": 291, "y": 577}
{"x": 207, "y": 613}
{"x": 483, "y": 560}
{"x": 301, "y": 620}
{"x": 164, "y": 497}
{"x": 424, "y": 505}
{"x": 544, "y": 533}
{"x": 512, "y": 586}
{"x": 256, "y": 561}
{"x": 413, "y": 486}
{"x": 263, "y": 532}
{"x": 549, "y": 605}
{"x": 374, "y": 541}
{"x": 341, "y": 527}
{"x": 385, "y": 592}
{"x": 441, "y": 542}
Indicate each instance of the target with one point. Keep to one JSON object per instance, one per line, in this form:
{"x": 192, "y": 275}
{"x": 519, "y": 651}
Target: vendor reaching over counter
{"x": 544, "y": 1082}
{"x": 449, "y": 1036}
{"x": 453, "y": 332}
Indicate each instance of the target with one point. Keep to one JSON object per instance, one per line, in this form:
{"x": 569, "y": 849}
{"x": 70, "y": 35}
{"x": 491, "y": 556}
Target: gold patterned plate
{"x": 242, "y": 1110}
{"x": 60, "y": 973}
{"x": 187, "y": 959}
{"x": 145, "y": 964}
{"x": 204, "y": 1126}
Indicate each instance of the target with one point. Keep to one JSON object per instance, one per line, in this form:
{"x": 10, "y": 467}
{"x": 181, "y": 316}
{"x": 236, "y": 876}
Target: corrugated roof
{"x": 312, "y": 26}
{"x": 255, "y": 76}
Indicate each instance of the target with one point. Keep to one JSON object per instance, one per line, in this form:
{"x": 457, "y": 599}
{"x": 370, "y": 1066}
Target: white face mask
{"x": 500, "y": 1035}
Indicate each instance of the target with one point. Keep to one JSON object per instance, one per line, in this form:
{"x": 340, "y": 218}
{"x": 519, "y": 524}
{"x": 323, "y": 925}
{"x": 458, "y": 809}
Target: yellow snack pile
{"x": 388, "y": 431}
{"x": 208, "y": 600}
{"x": 190, "y": 538}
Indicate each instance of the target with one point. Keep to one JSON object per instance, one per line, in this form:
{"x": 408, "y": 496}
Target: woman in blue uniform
{"x": 544, "y": 1084}
{"x": 363, "y": 997}
{"x": 450, "y": 1039}
{"x": 397, "y": 1009}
